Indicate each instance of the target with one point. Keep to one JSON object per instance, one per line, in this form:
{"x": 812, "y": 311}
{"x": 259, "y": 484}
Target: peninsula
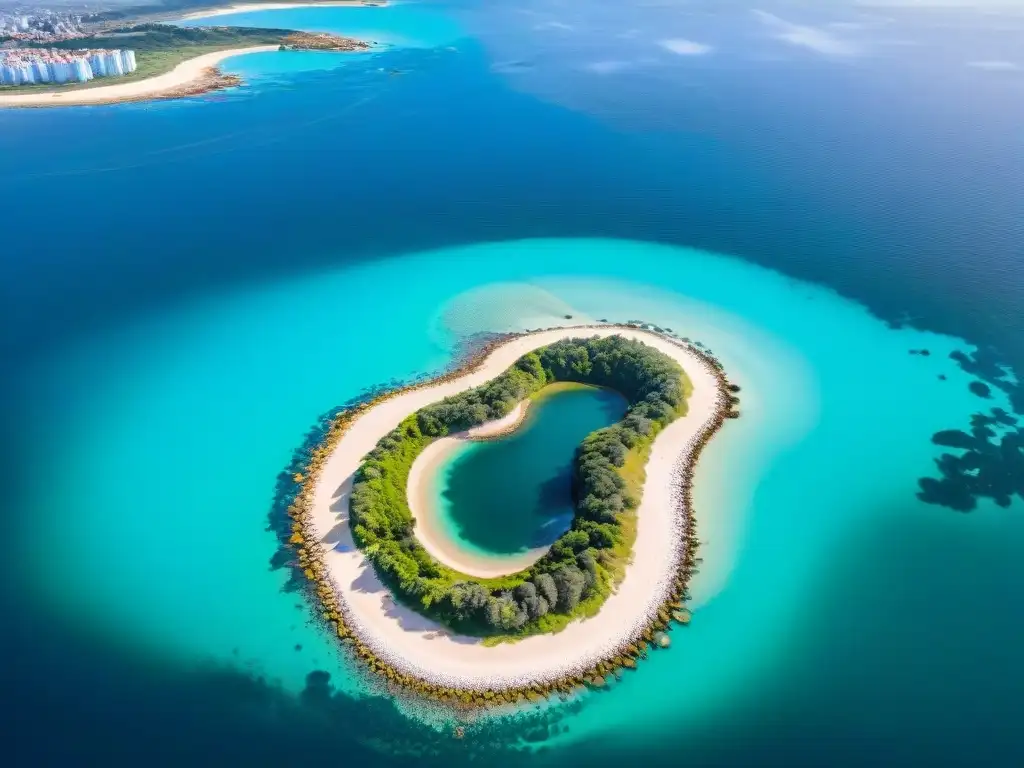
{"x": 172, "y": 62}
{"x": 340, "y": 529}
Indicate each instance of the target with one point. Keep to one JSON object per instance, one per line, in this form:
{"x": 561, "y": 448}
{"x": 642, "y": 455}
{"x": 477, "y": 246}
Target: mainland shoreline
{"x": 414, "y": 652}
{"x": 248, "y": 7}
{"x": 189, "y": 78}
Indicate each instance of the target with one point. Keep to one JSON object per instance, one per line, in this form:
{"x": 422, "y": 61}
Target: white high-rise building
{"x": 65, "y": 71}
{"x": 81, "y": 69}
{"x": 21, "y": 66}
{"x": 112, "y": 60}
{"x": 98, "y": 63}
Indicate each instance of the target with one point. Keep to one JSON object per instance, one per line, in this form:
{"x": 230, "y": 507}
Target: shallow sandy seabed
{"x": 416, "y": 646}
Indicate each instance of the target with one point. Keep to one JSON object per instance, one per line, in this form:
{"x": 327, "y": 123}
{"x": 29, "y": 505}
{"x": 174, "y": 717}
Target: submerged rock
{"x": 980, "y": 388}
{"x": 683, "y": 616}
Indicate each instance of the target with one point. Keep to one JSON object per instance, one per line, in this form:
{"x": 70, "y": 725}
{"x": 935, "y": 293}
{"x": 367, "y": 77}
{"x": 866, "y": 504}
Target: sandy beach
{"x": 246, "y": 7}
{"x": 191, "y": 77}
{"x": 422, "y": 494}
{"x": 417, "y": 646}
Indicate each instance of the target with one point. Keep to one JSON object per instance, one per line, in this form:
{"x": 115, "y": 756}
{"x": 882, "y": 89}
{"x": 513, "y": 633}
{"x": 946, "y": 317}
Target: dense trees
{"x": 577, "y": 567}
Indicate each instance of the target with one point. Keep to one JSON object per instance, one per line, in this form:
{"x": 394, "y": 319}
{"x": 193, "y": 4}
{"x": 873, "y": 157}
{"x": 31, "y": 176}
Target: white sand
{"x": 421, "y": 495}
{"x": 188, "y": 72}
{"x": 417, "y": 646}
{"x": 246, "y": 7}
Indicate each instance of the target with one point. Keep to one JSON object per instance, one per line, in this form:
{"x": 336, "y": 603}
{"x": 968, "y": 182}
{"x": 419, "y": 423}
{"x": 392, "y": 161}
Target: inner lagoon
{"x": 490, "y": 511}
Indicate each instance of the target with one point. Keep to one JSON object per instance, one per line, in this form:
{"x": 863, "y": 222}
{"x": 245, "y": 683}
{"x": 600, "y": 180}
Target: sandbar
{"x": 417, "y": 646}
{"x": 189, "y": 78}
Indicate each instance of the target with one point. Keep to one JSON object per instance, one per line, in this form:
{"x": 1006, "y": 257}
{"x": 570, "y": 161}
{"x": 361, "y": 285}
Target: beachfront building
{"x": 112, "y": 63}
{"x": 41, "y": 71}
{"x": 28, "y": 66}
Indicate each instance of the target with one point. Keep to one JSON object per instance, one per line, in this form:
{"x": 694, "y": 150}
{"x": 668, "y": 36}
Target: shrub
{"x": 570, "y": 583}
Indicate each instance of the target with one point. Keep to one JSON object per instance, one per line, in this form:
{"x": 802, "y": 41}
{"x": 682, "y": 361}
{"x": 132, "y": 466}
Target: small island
{"x": 608, "y": 590}
{"x": 586, "y": 563}
{"x": 170, "y": 62}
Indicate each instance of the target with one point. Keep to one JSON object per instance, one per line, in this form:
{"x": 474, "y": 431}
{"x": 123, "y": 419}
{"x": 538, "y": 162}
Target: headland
{"x": 412, "y": 651}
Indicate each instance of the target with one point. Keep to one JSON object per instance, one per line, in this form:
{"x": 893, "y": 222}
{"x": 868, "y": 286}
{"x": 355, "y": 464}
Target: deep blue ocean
{"x": 831, "y": 196}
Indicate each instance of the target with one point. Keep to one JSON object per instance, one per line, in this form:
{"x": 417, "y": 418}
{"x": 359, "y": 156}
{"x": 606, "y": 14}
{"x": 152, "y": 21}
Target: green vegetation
{"x": 159, "y": 48}
{"x": 576, "y": 575}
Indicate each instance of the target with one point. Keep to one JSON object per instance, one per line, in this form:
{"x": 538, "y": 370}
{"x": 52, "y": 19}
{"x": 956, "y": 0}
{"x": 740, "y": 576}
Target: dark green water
{"x": 506, "y": 496}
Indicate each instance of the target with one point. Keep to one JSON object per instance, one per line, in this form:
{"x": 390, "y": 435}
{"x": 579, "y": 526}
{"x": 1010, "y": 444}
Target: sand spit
{"x": 411, "y": 651}
{"x": 248, "y": 7}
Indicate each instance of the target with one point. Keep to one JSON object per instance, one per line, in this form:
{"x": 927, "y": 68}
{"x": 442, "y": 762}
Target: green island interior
{"x": 582, "y": 566}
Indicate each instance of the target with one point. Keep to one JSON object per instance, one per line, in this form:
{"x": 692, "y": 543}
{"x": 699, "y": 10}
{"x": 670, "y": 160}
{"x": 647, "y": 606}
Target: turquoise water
{"x": 174, "y": 453}
{"x": 507, "y": 496}
{"x": 358, "y": 216}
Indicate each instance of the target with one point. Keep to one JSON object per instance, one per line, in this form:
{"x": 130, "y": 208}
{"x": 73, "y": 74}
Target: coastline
{"x": 414, "y": 652}
{"x": 189, "y": 78}
{"x": 421, "y": 490}
{"x": 248, "y": 7}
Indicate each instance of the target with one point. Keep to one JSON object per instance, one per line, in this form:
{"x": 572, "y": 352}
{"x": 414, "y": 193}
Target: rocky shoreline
{"x": 666, "y": 609}
{"x": 211, "y": 80}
